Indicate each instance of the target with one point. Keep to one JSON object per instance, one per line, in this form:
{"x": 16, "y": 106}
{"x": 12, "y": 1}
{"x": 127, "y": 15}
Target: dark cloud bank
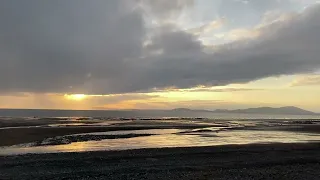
{"x": 80, "y": 46}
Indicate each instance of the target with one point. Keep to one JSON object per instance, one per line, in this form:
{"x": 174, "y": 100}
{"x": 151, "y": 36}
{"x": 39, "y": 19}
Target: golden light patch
{"x": 75, "y": 97}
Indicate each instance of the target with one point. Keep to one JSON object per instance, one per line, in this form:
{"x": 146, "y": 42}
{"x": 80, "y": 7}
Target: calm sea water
{"x": 140, "y": 113}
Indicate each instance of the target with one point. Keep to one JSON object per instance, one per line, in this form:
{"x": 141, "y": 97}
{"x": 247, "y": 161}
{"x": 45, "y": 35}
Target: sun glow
{"x": 75, "y": 97}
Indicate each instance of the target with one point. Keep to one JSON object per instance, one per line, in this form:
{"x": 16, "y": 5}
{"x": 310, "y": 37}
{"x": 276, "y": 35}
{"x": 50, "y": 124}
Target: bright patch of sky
{"x": 233, "y": 15}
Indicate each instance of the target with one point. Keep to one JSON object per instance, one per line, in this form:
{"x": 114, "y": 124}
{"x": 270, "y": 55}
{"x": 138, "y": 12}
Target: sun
{"x": 75, "y": 97}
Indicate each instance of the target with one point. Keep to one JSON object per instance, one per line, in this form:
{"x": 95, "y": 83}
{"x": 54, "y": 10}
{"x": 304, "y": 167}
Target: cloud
{"x": 224, "y": 90}
{"x": 208, "y": 27}
{"x": 51, "y": 46}
{"x": 42, "y": 101}
{"x": 282, "y": 48}
{"x": 192, "y": 104}
{"x": 126, "y": 101}
{"x": 97, "y": 47}
{"x": 308, "y": 80}
{"x": 208, "y": 89}
{"x": 269, "y": 19}
{"x": 116, "y": 98}
{"x": 248, "y": 12}
{"x": 161, "y": 104}
{"x": 165, "y": 8}
{"x": 241, "y": 33}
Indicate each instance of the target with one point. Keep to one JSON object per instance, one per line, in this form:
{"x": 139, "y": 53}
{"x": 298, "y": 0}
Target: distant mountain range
{"x": 288, "y": 110}
{"x": 179, "y": 112}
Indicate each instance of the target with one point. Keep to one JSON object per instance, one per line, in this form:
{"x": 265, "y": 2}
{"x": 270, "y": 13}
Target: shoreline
{"x": 250, "y": 161}
{"x": 9, "y": 137}
{"x": 14, "y": 136}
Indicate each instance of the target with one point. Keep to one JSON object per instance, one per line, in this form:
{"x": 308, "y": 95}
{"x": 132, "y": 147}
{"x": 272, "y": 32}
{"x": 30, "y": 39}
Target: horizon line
{"x": 52, "y": 109}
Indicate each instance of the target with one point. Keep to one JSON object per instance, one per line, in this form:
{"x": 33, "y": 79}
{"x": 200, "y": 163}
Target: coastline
{"x": 246, "y": 161}
{"x": 13, "y": 136}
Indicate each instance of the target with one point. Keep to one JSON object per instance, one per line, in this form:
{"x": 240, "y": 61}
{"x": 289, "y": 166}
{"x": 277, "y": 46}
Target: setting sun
{"x": 76, "y": 97}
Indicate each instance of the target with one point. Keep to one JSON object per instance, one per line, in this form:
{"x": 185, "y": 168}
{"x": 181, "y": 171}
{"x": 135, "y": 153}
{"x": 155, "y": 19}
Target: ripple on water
{"x": 169, "y": 138}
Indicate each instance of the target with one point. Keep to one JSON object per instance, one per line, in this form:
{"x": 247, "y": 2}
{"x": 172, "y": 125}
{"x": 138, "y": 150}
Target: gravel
{"x": 262, "y": 161}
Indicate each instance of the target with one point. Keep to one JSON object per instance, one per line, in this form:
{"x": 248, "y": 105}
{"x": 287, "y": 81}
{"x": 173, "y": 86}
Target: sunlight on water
{"x": 170, "y": 138}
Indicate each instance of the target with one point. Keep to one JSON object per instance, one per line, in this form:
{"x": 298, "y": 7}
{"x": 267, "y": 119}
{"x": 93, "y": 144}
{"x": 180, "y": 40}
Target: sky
{"x": 159, "y": 54}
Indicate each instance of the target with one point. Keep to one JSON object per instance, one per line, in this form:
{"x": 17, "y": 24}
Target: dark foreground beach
{"x": 264, "y": 161}
{"x": 296, "y": 157}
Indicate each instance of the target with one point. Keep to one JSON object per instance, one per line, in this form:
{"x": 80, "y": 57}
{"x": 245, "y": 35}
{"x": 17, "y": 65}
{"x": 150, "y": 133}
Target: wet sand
{"x": 307, "y": 128}
{"x": 15, "y": 136}
{"x": 253, "y": 161}
{"x": 267, "y": 161}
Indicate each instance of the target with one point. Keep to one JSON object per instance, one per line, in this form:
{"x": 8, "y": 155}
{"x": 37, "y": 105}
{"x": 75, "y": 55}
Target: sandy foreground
{"x": 252, "y": 161}
{"x": 267, "y": 161}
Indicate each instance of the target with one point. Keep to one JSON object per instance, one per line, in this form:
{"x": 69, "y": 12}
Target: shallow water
{"x": 168, "y": 138}
{"x": 220, "y": 132}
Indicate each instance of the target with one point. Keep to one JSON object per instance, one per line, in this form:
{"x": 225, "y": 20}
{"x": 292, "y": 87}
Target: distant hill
{"x": 190, "y": 110}
{"x": 178, "y": 112}
{"x": 289, "y": 110}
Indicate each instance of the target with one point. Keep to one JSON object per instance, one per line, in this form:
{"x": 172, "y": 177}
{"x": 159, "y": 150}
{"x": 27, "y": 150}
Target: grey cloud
{"x": 96, "y": 47}
{"x": 175, "y": 42}
{"x": 208, "y": 27}
{"x": 54, "y": 45}
{"x": 225, "y": 90}
{"x": 209, "y": 89}
{"x": 249, "y": 12}
{"x": 285, "y": 47}
{"x": 165, "y": 8}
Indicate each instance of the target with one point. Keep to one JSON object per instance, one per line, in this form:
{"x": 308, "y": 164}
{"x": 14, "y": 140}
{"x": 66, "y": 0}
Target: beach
{"x": 82, "y": 148}
{"x": 266, "y": 161}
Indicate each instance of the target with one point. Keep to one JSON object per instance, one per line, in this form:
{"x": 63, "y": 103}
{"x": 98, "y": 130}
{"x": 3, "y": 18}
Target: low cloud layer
{"x": 309, "y": 80}
{"x": 99, "y": 47}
